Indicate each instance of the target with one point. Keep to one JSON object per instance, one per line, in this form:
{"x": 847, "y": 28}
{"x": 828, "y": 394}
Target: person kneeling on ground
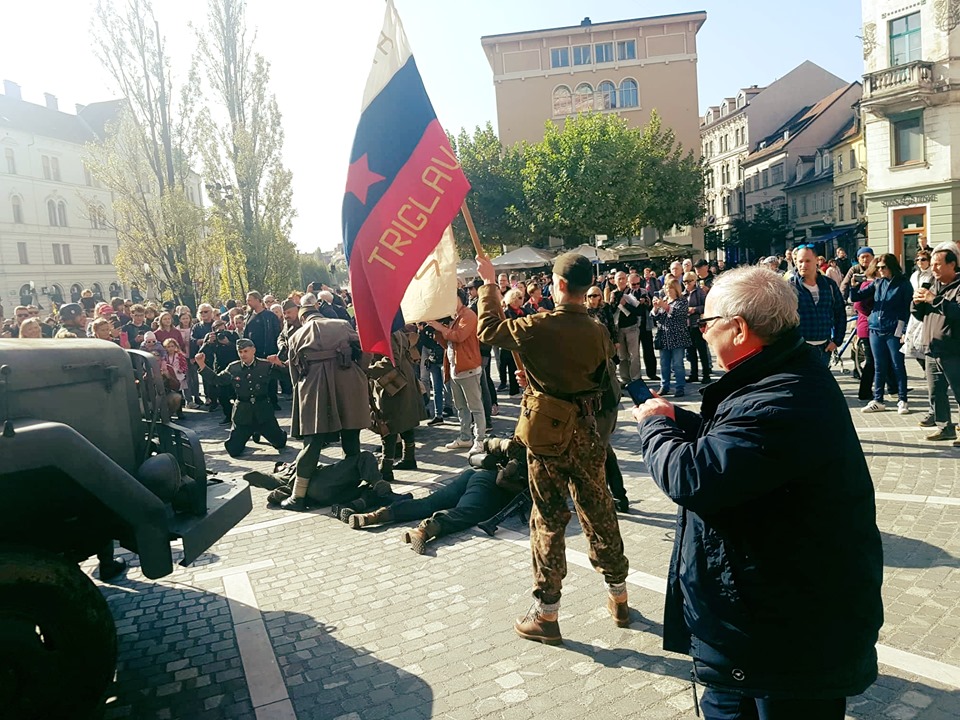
{"x": 479, "y": 492}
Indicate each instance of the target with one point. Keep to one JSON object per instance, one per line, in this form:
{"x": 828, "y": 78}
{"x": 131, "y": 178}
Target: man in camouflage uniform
{"x": 252, "y": 412}
{"x": 566, "y": 355}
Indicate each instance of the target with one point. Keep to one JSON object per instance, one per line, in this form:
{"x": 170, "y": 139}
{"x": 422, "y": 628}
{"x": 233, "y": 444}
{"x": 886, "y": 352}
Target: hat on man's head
{"x": 149, "y": 336}
{"x": 575, "y": 269}
{"x": 169, "y": 305}
{"x": 70, "y": 311}
{"x": 701, "y": 263}
{"x": 288, "y": 304}
{"x": 244, "y": 343}
{"x": 477, "y": 283}
{"x": 865, "y": 251}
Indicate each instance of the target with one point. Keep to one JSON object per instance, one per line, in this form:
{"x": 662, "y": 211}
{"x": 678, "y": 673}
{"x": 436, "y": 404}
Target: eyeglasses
{"x": 703, "y": 322}
{"x": 881, "y": 267}
{"x": 923, "y": 259}
{"x": 594, "y": 295}
{"x": 635, "y": 284}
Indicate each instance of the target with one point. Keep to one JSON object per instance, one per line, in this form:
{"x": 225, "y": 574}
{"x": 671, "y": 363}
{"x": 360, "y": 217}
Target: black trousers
{"x": 471, "y": 497}
{"x": 649, "y": 353}
{"x": 240, "y": 434}
{"x": 698, "y": 347}
{"x": 614, "y": 477}
{"x": 728, "y": 705}
{"x": 390, "y": 443}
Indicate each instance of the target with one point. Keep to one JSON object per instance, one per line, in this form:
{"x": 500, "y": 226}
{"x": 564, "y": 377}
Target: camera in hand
{"x": 926, "y": 285}
{"x": 859, "y": 278}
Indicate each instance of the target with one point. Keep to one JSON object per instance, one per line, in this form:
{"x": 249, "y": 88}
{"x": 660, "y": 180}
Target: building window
{"x": 583, "y": 98}
{"x": 603, "y": 52}
{"x": 62, "y": 213}
{"x": 766, "y": 178}
{"x": 854, "y": 210}
{"x": 839, "y": 163}
{"x": 55, "y": 168}
{"x": 581, "y": 54}
{"x": 726, "y": 204}
{"x": 562, "y": 101}
{"x": 57, "y": 255}
{"x": 105, "y": 251}
{"x": 905, "y": 39}
{"x": 606, "y": 95}
{"x": 96, "y": 255}
{"x": 853, "y": 159}
{"x": 11, "y": 161}
{"x": 560, "y": 57}
{"x": 22, "y": 252}
{"x": 823, "y": 202}
{"x": 627, "y": 50}
{"x": 17, "y": 204}
{"x": 67, "y": 260}
{"x": 793, "y": 209}
{"x": 45, "y": 161}
{"x": 52, "y": 213}
{"x": 629, "y": 96}
{"x": 803, "y": 205}
{"x": 907, "y": 139}
{"x": 776, "y": 174}
{"x": 840, "y": 213}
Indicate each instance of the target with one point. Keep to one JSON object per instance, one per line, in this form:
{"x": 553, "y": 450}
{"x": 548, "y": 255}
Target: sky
{"x": 320, "y": 59}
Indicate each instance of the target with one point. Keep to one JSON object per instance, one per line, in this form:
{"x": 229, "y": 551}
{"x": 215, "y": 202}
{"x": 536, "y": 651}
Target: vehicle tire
{"x": 58, "y": 642}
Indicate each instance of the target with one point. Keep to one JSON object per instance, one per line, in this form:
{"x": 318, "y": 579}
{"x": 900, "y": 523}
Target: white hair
{"x": 511, "y": 296}
{"x": 308, "y": 300}
{"x": 204, "y": 306}
{"x": 325, "y": 295}
{"x": 948, "y": 245}
{"x": 766, "y": 302}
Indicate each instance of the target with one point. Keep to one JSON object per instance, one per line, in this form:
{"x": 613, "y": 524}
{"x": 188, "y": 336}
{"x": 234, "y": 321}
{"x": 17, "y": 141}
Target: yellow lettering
{"x": 404, "y": 229}
{"x": 431, "y": 176}
{"x": 376, "y": 256}
{"x": 421, "y": 219}
{"x": 398, "y": 242}
{"x": 434, "y": 265}
{"x": 453, "y": 159}
{"x": 427, "y": 210}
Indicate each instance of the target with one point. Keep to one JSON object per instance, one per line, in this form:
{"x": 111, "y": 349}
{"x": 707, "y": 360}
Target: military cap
{"x": 70, "y": 311}
{"x": 288, "y": 304}
{"x": 701, "y": 263}
{"x": 575, "y": 269}
{"x": 169, "y": 305}
{"x": 244, "y": 343}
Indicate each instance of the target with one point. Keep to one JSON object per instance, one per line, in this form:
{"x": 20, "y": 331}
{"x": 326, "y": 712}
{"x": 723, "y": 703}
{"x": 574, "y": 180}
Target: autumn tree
{"x": 241, "y": 143}
{"x": 144, "y": 157}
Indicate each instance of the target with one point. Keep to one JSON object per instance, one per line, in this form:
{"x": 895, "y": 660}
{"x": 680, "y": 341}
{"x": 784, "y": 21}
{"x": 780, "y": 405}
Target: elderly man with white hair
{"x": 774, "y": 584}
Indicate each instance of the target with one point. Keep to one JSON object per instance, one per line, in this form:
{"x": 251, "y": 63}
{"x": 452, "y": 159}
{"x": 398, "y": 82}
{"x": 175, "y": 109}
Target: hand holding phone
{"x": 639, "y": 391}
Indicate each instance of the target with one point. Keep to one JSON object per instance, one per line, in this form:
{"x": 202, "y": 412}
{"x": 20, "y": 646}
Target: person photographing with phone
{"x": 774, "y": 584}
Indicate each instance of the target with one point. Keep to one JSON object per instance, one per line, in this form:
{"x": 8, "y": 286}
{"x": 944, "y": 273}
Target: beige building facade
{"x": 911, "y": 118}
{"x": 627, "y": 67}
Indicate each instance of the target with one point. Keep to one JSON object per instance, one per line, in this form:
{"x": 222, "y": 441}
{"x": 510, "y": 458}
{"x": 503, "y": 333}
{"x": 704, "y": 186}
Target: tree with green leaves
{"x": 757, "y": 235}
{"x": 144, "y": 158}
{"x": 311, "y": 270}
{"x": 496, "y": 199}
{"x": 672, "y": 180}
{"x": 241, "y": 142}
{"x": 584, "y": 179}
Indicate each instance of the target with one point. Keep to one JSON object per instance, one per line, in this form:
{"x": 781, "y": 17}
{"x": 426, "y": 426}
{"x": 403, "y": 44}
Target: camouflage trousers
{"x": 579, "y": 473}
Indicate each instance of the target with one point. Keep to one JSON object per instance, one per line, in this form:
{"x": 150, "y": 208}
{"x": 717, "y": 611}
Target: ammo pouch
{"x": 391, "y": 382}
{"x": 344, "y": 357}
{"x": 546, "y": 424}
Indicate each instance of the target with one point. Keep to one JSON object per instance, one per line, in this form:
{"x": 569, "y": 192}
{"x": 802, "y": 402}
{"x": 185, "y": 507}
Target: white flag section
{"x": 432, "y": 293}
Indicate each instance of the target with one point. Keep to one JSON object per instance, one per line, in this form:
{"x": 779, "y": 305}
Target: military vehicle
{"x": 88, "y": 455}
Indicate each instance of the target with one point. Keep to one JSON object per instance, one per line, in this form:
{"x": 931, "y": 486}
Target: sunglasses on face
{"x": 593, "y": 296}
{"x": 636, "y": 284}
{"x": 881, "y": 267}
{"x": 923, "y": 259}
{"x": 702, "y": 323}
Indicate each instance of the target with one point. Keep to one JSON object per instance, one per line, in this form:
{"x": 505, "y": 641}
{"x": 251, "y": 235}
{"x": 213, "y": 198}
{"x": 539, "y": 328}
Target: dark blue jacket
{"x": 774, "y": 583}
{"x": 825, "y": 320}
{"x": 891, "y": 303}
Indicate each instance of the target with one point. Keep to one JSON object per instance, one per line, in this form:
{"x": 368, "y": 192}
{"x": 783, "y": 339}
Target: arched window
{"x": 583, "y": 98}
{"x": 629, "y": 96}
{"x": 17, "y": 204}
{"x": 562, "y": 101}
{"x": 56, "y": 293}
{"x": 52, "y": 213}
{"x": 606, "y": 95}
{"x": 97, "y": 289}
{"x": 75, "y": 291}
{"x": 62, "y": 213}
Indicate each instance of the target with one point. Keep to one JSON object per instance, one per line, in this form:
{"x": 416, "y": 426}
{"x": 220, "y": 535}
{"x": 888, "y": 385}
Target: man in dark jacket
{"x": 939, "y": 309}
{"x": 774, "y": 583}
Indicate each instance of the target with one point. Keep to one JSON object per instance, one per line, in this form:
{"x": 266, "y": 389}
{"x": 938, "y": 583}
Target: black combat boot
{"x": 386, "y": 469}
{"x": 294, "y": 503}
{"x": 409, "y": 461}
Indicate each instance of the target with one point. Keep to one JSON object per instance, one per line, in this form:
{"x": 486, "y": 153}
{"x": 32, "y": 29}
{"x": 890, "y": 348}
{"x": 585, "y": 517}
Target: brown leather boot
{"x": 619, "y": 610}
{"x": 539, "y": 628}
{"x": 362, "y": 520}
{"x": 417, "y": 538}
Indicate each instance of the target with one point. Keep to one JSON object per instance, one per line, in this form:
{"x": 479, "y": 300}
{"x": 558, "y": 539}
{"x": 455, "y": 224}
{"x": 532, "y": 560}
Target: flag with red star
{"x": 404, "y": 187}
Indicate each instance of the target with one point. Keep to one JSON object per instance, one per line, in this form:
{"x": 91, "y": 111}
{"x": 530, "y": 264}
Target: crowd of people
{"x": 762, "y": 540}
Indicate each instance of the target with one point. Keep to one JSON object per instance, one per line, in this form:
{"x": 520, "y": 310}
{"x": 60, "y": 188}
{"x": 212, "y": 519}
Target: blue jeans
{"x": 672, "y": 361}
{"x": 728, "y": 705}
{"x": 886, "y": 352}
{"x": 436, "y": 379}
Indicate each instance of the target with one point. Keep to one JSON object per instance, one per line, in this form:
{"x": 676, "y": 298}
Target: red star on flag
{"x": 360, "y": 178}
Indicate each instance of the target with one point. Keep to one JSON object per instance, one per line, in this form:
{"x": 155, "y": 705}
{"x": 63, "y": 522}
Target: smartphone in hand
{"x": 639, "y": 391}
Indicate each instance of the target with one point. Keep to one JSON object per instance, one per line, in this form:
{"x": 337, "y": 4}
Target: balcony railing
{"x": 903, "y": 79}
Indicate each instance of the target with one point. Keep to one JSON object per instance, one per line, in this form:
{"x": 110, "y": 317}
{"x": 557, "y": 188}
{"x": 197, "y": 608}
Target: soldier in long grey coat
{"x": 399, "y": 402}
{"x": 331, "y": 395}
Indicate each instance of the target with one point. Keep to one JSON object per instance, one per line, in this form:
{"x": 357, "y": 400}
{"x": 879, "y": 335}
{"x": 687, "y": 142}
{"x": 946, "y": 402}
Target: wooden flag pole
{"x": 480, "y": 253}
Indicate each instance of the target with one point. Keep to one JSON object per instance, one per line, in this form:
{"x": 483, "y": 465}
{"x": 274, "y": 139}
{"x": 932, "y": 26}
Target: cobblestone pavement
{"x": 297, "y": 616}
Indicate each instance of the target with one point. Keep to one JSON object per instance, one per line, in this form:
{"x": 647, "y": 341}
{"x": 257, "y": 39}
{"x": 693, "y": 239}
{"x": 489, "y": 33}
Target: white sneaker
{"x": 458, "y": 444}
{"x": 476, "y": 449}
{"x": 902, "y": 408}
{"x": 873, "y": 406}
